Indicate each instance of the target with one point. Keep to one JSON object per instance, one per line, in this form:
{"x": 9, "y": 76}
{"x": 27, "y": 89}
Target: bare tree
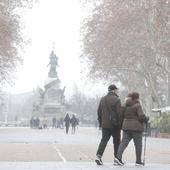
{"x": 10, "y": 36}
{"x": 126, "y": 40}
{"x": 84, "y": 106}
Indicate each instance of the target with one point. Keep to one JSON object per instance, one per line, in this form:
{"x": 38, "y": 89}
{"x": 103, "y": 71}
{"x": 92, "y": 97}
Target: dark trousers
{"x": 67, "y": 129}
{"x": 137, "y": 138}
{"x": 73, "y": 129}
{"x": 106, "y": 134}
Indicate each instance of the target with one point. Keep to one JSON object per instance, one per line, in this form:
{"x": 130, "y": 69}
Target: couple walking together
{"x": 113, "y": 117}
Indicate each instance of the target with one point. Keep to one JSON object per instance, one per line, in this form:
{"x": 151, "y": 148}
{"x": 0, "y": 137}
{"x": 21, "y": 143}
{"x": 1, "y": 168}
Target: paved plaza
{"x": 75, "y": 166}
{"x": 34, "y": 149}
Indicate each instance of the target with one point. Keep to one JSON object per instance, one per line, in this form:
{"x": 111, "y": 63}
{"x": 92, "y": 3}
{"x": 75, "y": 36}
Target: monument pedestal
{"x": 53, "y": 99}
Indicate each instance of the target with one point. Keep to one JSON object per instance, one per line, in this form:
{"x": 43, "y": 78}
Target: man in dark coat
{"x": 109, "y": 117}
{"x": 74, "y": 123}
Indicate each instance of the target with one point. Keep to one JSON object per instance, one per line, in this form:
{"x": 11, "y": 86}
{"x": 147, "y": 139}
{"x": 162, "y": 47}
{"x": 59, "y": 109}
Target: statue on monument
{"x": 54, "y": 63}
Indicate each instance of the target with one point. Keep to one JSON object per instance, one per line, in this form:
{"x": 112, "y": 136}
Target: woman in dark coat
{"x": 67, "y": 122}
{"x": 133, "y": 126}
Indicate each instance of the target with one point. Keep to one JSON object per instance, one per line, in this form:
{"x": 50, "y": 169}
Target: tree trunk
{"x": 153, "y": 90}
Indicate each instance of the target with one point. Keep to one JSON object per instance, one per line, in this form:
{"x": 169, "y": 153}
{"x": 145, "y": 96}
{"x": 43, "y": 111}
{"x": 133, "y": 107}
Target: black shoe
{"x": 98, "y": 160}
{"x": 139, "y": 164}
{"x": 118, "y": 161}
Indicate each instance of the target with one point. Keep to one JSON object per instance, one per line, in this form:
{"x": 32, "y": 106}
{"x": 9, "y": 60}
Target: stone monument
{"x": 54, "y": 99}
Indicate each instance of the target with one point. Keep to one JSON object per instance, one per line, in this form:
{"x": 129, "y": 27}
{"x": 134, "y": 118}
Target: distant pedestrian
{"x": 109, "y": 117}
{"x": 44, "y": 123}
{"x": 32, "y": 122}
{"x": 58, "y": 123}
{"x": 74, "y": 123}
{"x": 133, "y": 126}
{"x": 67, "y": 122}
{"x": 54, "y": 122}
{"x": 37, "y": 122}
{"x": 61, "y": 123}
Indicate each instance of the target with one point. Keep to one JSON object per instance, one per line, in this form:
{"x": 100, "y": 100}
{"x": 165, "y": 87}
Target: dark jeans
{"x": 73, "y": 129}
{"x": 106, "y": 134}
{"x": 67, "y": 129}
{"x": 137, "y": 138}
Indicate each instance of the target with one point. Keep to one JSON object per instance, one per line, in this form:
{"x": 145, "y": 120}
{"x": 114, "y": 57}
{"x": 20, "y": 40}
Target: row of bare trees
{"x": 129, "y": 41}
{"x": 85, "y": 106}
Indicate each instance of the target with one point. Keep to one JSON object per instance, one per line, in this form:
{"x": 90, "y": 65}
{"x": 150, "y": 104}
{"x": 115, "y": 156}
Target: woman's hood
{"x": 130, "y": 102}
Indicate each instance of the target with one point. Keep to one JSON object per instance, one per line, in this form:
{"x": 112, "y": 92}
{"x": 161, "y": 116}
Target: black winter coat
{"x": 109, "y": 111}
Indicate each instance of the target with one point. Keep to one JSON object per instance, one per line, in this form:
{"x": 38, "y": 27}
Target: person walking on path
{"x": 74, "y": 123}
{"x": 133, "y": 126}
{"x": 54, "y": 121}
{"x": 67, "y": 122}
{"x": 109, "y": 117}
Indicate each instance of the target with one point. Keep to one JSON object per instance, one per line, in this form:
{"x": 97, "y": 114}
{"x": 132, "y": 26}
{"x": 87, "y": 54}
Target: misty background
{"x": 97, "y": 43}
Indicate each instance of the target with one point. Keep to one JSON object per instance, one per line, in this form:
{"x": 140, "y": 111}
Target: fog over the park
{"x": 75, "y": 74}
{"x": 95, "y": 43}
